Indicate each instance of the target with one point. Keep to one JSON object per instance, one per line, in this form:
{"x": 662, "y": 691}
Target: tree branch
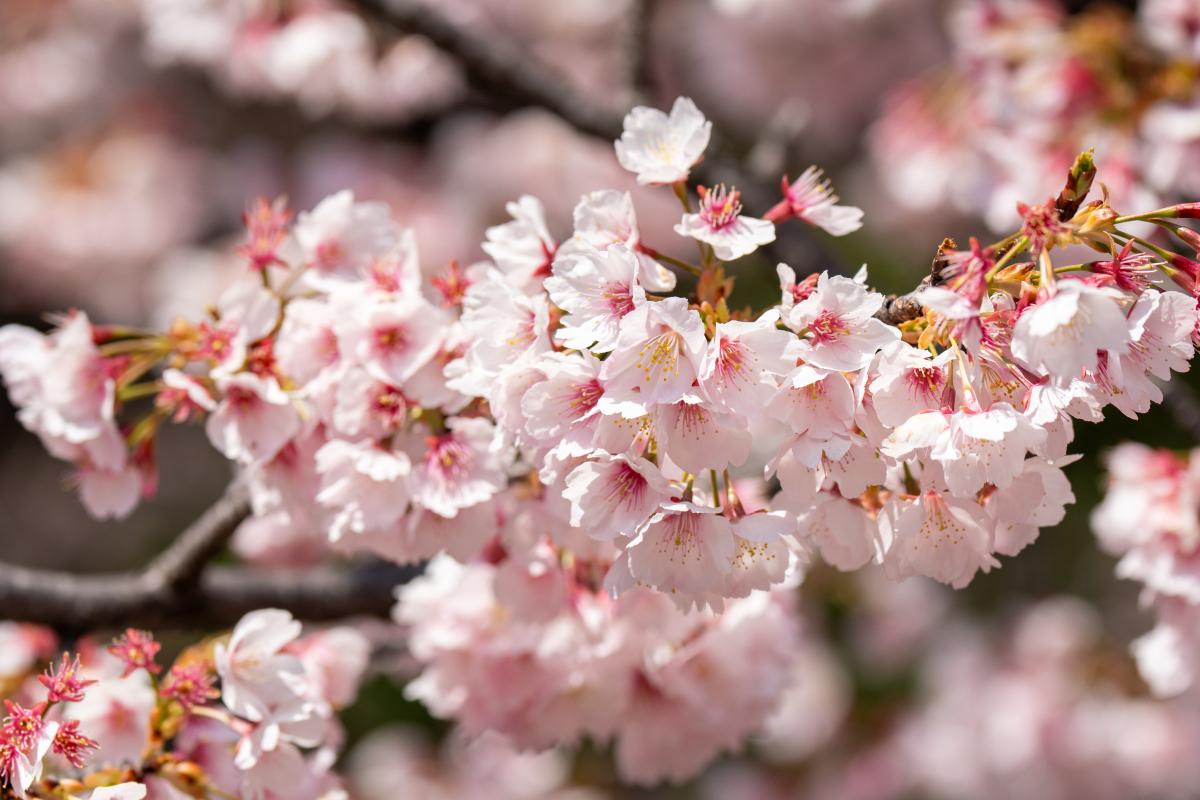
{"x": 177, "y": 569}
{"x": 176, "y": 590}
{"x": 498, "y": 68}
{"x": 222, "y": 595}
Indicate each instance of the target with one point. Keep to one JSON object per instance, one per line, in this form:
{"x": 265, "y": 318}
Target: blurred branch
{"x": 498, "y": 68}
{"x": 1180, "y": 402}
{"x": 508, "y": 72}
{"x": 176, "y": 589}
{"x": 638, "y": 47}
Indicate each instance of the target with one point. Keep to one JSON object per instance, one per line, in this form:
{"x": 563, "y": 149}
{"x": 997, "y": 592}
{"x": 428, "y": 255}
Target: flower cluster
{"x": 100, "y": 717}
{"x": 563, "y": 427}
{"x": 316, "y": 53}
{"x": 528, "y": 648}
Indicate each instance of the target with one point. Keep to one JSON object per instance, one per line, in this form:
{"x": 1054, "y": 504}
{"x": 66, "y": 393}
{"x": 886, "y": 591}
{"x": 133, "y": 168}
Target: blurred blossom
{"x": 1028, "y": 87}
{"x": 401, "y": 760}
{"x": 313, "y": 52}
{"x": 83, "y": 221}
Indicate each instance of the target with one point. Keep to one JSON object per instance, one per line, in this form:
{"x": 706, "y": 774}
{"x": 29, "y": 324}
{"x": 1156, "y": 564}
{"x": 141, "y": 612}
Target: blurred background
{"x": 133, "y": 134}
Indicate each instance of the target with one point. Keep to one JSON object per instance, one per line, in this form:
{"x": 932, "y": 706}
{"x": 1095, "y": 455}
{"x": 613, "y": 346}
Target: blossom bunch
{"x": 564, "y": 425}
{"x": 101, "y": 721}
{"x": 539, "y": 652}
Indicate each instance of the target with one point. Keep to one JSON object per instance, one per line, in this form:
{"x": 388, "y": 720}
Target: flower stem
{"x": 681, "y": 264}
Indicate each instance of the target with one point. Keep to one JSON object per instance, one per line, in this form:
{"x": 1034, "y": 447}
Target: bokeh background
{"x": 132, "y": 135}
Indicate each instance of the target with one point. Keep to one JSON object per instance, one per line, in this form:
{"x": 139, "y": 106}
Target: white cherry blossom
{"x": 605, "y": 218}
{"x": 659, "y": 353}
{"x": 662, "y": 148}
{"x": 1061, "y": 334}
{"x": 745, "y": 363}
{"x": 908, "y": 381}
{"x": 699, "y": 437}
{"x": 339, "y": 236}
{"x": 596, "y": 289}
{"x": 523, "y": 249}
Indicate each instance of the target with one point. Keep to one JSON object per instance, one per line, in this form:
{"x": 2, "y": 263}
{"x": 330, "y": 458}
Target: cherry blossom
{"x": 614, "y": 495}
{"x": 596, "y": 289}
{"x": 339, "y": 236}
{"x": 745, "y": 362}
{"x": 606, "y": 217}
{"x": 254, "y": 420}
{"x": 523, "y": 249}
{"x": 662, "y": 148}
{"x": 843, "y": 334}
{"x": 659, "y": 353}
{"x": 721, "y": 225}
{"x": 1060, "y": 335}
{"x": 941, "y": 536}
{"x": 811, "y": 198}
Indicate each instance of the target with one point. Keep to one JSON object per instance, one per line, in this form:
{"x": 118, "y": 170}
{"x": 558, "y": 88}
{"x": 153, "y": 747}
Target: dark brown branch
{"x": 176, "y": 589}
{"x": 897, "y": 310}
{"x": 78, "y": 603}
{"x": 906, "y": 307}
{"x": 178, "y": 568}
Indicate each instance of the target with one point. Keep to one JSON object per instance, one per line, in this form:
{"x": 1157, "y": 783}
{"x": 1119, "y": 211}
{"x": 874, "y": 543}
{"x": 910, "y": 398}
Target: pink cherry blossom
{"x": 683, "y": 548}
{"x": 843, "y": 334}
{"x": 457, "y": 469}
{"x": 720, "y": 224}
{"x": 941, "y": 536}
{"x": 811, "y": 198}
{"x": 254, "y": 419}
{"x": 614, "y": 495}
